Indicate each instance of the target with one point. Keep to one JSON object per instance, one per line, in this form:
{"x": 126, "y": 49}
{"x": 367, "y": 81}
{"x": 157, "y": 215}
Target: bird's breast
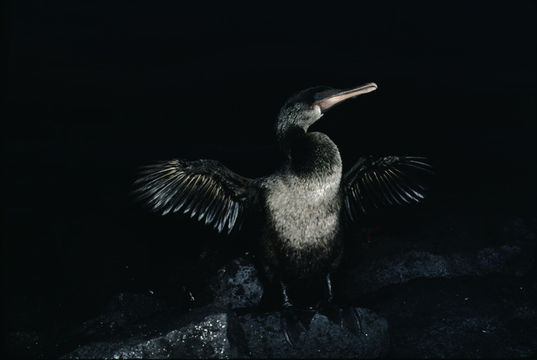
{"x": 304, "y": 211}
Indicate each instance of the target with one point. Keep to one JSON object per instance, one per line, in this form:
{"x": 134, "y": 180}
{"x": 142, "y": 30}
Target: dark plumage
{"x": 302, "y": 207}
{"x": 205, "y": 189}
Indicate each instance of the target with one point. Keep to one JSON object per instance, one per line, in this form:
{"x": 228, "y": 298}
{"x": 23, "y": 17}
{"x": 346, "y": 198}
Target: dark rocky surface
{"x": 236, "y": 285}
{"x": 492, "y": 317}
{"x": 204, "y": 333}
{"x": 211, "y": 332}
{"x": 323, "y": 338}
{"x": 468, "y": 292}
{"x": 139, "y": 326}
{"x": 456, "y": 249}
{"x": 429, "y": 292}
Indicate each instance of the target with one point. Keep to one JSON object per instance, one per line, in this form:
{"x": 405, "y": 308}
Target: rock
{"x": 374, "y": 274}
{"x": 25, "y": 344}
{"x": 236, "y": 285}
{"x": 323, "y": 338}
{"x": 200, "y": 334}
{"x": 462, "y": 301}
{"x": 518, "y": 229}
{"x": 121, "y": 315}
{"x": 211, "y": 332}
{"x": 481, "y": 317}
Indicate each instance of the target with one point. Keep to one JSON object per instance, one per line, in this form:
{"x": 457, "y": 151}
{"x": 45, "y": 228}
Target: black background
{"x": 96, "y": 89}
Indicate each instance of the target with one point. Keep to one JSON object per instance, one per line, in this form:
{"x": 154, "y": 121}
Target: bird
{"x": 301, "y": 210}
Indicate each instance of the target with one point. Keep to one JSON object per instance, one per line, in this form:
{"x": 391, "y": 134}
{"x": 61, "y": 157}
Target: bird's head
{"x": 307, "y": 106}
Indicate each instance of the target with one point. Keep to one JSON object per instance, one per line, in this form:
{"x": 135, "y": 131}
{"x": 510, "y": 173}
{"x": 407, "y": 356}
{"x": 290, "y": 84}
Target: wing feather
{"x": 205, "y": 190}
{"x": 377, "y": 182}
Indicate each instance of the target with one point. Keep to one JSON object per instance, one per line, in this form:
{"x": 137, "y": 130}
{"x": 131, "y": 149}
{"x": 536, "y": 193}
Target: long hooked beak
{"x": 331, "y": 98}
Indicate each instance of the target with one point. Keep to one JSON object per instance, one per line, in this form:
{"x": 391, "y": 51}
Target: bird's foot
{"x": 295, "y": 322}
{"x": 346, "y": 317}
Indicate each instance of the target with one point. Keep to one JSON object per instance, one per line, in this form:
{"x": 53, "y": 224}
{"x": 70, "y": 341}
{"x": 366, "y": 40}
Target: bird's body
{"x": 302, "y": 207}
{"x": 303, "y": 227}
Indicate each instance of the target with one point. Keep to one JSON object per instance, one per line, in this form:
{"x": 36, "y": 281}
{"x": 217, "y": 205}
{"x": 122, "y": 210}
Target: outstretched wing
{"x": 205, "y": 189}
{"x": 376, "y": 182}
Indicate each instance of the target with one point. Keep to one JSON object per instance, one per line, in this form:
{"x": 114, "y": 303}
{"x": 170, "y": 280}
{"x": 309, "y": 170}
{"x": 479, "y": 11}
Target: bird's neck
{"x": 310, "y": 153}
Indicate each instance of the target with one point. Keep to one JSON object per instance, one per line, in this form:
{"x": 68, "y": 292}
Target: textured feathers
{"x": 204, "y": 189}
{"x": 377, "y": 182}
{"x": 213, "y": 194}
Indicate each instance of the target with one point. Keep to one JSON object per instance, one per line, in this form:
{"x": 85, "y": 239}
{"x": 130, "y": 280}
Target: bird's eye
{"x": 322, "y": 94}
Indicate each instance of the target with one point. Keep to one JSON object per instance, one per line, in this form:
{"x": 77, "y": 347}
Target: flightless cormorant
{"x": 302, "y": 207}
